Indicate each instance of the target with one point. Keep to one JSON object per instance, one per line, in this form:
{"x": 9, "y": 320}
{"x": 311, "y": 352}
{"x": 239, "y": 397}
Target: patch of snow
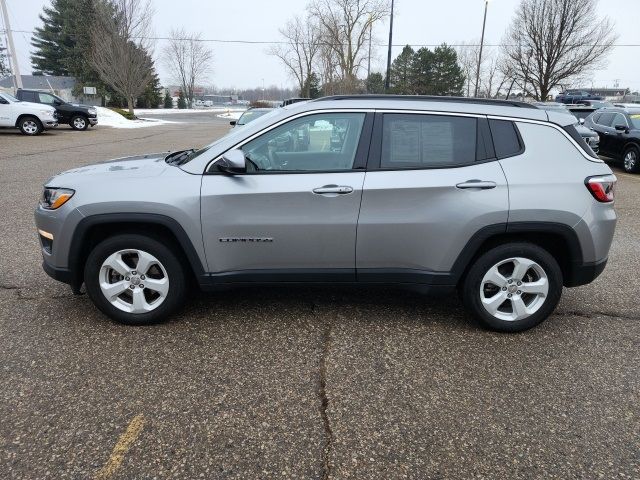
{"x": 233, "y": 115}
{"x": 109, "y": 118}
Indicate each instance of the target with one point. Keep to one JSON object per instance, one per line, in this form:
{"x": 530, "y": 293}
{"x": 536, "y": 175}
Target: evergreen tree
{"x": 400, "y": 76}
{"x": 182, "y": 102}
{"x": 421, "y": 71}
{"x": 375, "y": 83}
{"x": 311, "y": 86}
{"x": 152, "y": 96}
{"x": 447, "y": 77}
{"x": 5, "y": 71}
{"x": 168, "y": 101}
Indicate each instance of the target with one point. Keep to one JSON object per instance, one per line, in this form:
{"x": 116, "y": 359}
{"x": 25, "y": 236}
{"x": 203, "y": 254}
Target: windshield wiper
{"x": 178, "y": 158}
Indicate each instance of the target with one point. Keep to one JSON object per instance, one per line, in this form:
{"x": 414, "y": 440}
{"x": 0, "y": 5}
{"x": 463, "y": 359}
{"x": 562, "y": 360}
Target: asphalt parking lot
{"x": 310, "y": 383}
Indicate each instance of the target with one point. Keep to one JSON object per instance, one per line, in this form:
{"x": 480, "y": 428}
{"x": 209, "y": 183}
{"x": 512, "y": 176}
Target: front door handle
{"x": 481, "y": 184}
{"x": 335, "y": 189}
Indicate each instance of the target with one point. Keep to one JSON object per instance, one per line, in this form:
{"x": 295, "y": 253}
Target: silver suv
{"x": 497, "y": 199}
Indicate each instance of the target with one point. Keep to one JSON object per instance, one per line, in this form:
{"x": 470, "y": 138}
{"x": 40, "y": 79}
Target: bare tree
{"x": 345, "y": 31}
{"x": 188, "y": 58}
{"x": 121, "y": 45}
{"x": 468, "y": 54}
{"x": 300, "y": 50}
{"x": 554, "y": 41}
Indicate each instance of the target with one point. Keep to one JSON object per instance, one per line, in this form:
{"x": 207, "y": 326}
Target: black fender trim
{"x": 471, "y": 249}
{"x": 83, "y": 227}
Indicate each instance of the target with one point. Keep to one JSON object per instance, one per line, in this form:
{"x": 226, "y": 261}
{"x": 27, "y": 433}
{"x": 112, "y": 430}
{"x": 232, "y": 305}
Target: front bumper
{"x": 93, "y": 121}
{"x": 50, "y": 123}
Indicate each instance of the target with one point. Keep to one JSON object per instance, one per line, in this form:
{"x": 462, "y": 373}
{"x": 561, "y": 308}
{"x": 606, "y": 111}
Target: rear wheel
{"x": 513, "y": 287}
{"x": 79, "y": 122}
{"x": 631, "y": 159}
{"x": 134, "y": 279}
{"x": 30, "y": 125}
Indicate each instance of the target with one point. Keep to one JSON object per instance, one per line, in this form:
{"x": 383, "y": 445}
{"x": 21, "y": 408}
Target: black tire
{"x": 162, "y": 252}
{"x": 631, "y": 159}
{"x": 79, "y": 122}
{"x": 471, "y": 293}
{"x": 30, "y": 125}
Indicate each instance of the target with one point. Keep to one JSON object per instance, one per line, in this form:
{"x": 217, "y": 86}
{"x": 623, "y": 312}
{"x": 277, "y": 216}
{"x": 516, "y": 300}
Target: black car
{"x": 79, "y": 117}
{"x": 619, "y": 131}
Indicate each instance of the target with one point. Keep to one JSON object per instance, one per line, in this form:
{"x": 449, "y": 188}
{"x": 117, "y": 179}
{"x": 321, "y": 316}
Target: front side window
{"x": 605, "y": 119}
{"x": 46, "y": 98}
{"x": 427, "y": 141}
{"x": 619, "y": 120}
{"x": 320, "y": 142}
{"x": 635, "y": 120}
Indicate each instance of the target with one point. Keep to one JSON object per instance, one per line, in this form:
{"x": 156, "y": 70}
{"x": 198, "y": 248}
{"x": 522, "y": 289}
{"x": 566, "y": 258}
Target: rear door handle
{"x": 335, "y": 189}
{"x": 481, "y": 184}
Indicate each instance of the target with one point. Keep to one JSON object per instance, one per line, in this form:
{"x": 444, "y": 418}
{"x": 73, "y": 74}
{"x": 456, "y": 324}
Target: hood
{"x": 39, "y": 106}
{"x": 139, "y": 166}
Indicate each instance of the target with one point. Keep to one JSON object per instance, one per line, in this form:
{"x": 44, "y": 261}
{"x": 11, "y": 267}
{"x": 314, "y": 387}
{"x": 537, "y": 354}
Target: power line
{"x": 283, "y": 42}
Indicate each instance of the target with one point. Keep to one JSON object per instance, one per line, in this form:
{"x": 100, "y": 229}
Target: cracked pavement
{"x": 304, "y": 383}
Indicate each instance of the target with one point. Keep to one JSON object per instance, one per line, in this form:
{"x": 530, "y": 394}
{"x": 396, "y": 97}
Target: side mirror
{"x": 233, "y": 123}
{"x": 3, "y": 101}
{"x": 232, "y": 162}
{"x": 57, "y": 102}
{"x": 581, "y": 121}
{"x": 621, "y": 128}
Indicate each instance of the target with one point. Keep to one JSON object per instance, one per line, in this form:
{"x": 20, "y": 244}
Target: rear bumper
{"x": 584, "y": 273}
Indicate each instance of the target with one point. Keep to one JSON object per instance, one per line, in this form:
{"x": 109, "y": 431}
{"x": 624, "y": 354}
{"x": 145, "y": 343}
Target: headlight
{"x": 47, "y": 113}
{"x": 93, "y": 111}
{"x": 53, "y": 198}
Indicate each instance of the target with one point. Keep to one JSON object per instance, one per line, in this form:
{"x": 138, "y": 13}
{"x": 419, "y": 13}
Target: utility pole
{"x": 484, "y": 21}
{"x": 386, "y": 80}
{"x": 369, "y": 58}
{"x": 15, "y": 69}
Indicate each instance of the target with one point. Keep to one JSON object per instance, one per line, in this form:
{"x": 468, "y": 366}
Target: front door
{"x": 293, "y": 215}
{"x": 6, "y": 115}
{"x": 434, "y": 186}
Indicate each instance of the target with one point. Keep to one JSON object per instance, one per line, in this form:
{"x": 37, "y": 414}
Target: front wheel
{"x": 79, "y": 122}
{"x": 513, "y": 287}
{"x": 135, "y": 279}
{"x": 30, "y": 125}
{"x": 631, "y": 159}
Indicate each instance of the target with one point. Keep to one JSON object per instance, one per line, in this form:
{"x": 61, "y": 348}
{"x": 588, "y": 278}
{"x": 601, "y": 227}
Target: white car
{"x": 30, "y": 118}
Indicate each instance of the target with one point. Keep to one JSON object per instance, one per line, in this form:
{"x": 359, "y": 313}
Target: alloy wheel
{"x": 30, "y": 127}
{"x": 514, "y": 289}
{"x": 630, "y": 160}
{"x": 133, "y": 281}
{"x": 80, "y": 123}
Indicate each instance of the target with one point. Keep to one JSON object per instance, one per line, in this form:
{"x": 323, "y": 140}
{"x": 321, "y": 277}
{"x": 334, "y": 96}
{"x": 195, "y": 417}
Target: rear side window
{"x": 573, "y": 133}
{"x": 506, "y": 139}
{"x": 29, "y": 97}
{"x": 427, "y": 141}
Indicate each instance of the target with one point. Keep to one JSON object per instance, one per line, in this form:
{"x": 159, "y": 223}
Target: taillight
{"x": 602, "y": 187}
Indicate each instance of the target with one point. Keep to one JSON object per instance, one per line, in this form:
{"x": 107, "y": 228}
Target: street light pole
{"x": 17, "y": 79}
{"x": 386, "y": 80}
{"x": 484, "y": 21}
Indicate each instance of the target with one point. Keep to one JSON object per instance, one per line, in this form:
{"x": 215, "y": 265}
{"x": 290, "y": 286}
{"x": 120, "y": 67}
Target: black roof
{"x": 430, "y": 98}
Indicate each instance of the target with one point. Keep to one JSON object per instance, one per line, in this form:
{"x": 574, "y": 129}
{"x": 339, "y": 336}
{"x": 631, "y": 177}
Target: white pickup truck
{"x": 30, "y": 118}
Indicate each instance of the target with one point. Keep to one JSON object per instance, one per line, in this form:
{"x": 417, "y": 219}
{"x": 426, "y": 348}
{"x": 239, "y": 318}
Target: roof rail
{"x": 430, "y": 98}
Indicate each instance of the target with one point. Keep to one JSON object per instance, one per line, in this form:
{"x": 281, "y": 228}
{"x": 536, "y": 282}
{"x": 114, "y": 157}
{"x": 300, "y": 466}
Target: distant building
{"x": 61, "y": 86}
{"x": 607, "y": 93}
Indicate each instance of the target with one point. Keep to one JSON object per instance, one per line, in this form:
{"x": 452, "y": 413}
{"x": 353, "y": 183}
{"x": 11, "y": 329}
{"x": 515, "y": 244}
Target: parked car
{"x": 290, "y": 101}
{"x": 498, "y": 199}
{"x": 580, "y": 112}
{"x": 249, "y": 115}
{"x": 596, "y": 103}
{"x": 79, "y": 117}
{"x": 30, "y": 118}
{"x": 576, "y": 96}
{"x": 619, "y": 131}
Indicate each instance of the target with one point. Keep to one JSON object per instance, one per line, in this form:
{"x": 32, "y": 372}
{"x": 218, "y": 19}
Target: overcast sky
{"x": 416, "y": 22}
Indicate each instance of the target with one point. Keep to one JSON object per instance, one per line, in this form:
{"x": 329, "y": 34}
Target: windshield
{"x": 251, "y": 115}
{"x": 10, "y": 97}
{"x": 635, "y": 120}
{"x": 264, "y": 120}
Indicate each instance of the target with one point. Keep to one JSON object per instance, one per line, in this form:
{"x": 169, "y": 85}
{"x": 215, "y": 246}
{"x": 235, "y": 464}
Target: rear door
{"x": 294, "y": 215}
{"x": 432, "y": 183}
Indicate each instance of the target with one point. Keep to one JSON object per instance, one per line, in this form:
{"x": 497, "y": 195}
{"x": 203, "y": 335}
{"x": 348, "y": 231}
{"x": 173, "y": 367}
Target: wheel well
{"x": 101, "y": 231}
{"x": 629, "y": 145}
{"x": 554, "y": 243}
{"x": 19, "y": 119}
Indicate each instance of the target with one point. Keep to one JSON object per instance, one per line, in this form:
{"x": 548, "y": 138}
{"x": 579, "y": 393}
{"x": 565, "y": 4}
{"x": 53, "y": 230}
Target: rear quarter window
{"x": 506, "y": 138}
